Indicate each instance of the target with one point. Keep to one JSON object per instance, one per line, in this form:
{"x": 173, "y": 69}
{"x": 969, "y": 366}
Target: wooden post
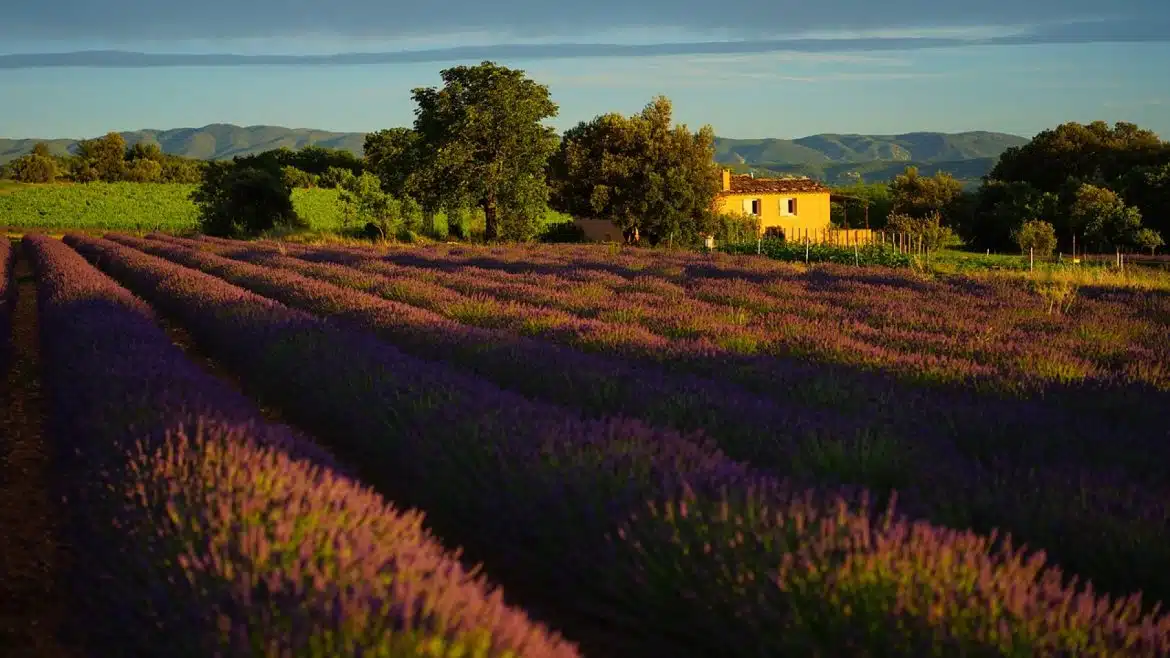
{"x": 806, "y": 248}
{"x": 1031, "y": 259}
{"x": 856, "y": 256}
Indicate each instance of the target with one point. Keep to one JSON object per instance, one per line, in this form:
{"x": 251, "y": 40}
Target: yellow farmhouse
{"x": 788, "y": 206}
{"x": 791, "y": 207}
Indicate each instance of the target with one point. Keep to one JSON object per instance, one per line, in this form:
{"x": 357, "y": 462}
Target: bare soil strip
{"x": 32, "y": 605}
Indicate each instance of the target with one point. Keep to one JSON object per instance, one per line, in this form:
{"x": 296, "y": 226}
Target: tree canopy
{"x": 1098, "y": 183}
{"x": 481, "y": 142}
{"x": 650, "y": 177}
{"x": 235, "y": 201}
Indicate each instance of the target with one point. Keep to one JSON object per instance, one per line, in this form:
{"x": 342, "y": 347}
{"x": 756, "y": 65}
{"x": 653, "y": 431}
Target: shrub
{"x": 562, "y": 232}
{"x": 33, "y": 168}
{"x": 235, "y": 201}
{"x": 929, "y": 230}
{"x": 1036, "y": 235}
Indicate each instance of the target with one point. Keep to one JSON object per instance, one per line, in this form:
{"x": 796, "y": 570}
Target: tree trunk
{"x": 491, "y": 227}
{"x": 429, "y": 222}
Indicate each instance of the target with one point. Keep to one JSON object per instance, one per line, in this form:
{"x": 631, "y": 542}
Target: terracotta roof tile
{"x": 745, "y": 184}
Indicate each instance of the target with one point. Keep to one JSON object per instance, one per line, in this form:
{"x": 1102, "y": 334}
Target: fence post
{"x": 759, "y": 244}
{"x": 806, "y": 248}
{"x": 1031, "y": 259}
{"x": 856, "y": 256}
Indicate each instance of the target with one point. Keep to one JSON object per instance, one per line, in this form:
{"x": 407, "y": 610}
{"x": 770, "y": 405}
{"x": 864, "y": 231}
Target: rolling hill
{"x": 834, "y": 158}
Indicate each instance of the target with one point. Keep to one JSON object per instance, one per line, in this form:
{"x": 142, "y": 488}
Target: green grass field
{"x": 130, "y": 207}
{"x": 144, "y": 207}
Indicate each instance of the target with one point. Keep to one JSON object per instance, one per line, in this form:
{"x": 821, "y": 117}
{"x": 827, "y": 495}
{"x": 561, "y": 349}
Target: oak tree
{"x": 481, "y": 142}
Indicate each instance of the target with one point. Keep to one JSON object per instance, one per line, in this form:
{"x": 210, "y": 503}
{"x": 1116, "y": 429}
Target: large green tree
{"x": 1094, "y": 153}
{"x": 482, "y": 142}
{"x": 1002, "y": 208}
{"x": 105, "y": 156}
{"x": 393, "y": 156}
{"x": 650, "y": 177}
{"x": 1103, "y": 219}
{"x": 922, "y": 196}
{"x": 1045, "y": 179}
{"x": 36, "y": 167}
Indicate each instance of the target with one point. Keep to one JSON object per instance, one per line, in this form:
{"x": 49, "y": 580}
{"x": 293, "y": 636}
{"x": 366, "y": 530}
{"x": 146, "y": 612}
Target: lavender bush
{"x": 202, "y": 531}
{"x": 598, "y": 516}
{"x": 959, "y": 460}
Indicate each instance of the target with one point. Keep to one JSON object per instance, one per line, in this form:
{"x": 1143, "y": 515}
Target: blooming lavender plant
{"x": 1033, "y": 469}
{"x": 536, "y": 491}
{"x": 204, "y": 531}
{"x": 7, "y": 295}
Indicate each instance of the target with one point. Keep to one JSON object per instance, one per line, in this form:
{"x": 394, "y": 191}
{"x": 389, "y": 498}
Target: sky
{"x": 751, "y": 69}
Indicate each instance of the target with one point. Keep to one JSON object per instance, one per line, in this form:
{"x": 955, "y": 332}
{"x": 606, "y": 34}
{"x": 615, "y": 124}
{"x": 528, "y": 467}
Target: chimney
{"x": 726, "y": 180}
{"x": 752, "y": 174}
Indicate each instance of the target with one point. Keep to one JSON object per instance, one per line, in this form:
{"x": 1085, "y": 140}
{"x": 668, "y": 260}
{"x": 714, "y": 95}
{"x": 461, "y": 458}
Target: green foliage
{"x": 33, "y": 168}
{"x": 876, "y": 196}
{"x": 929, "y": 230}
{"x": 1082, "y": 152}
{"x": 144, "y": 171}
{"x": 734, "y": 229}
{"x": 144, "y": 151}
{"x": 562, "y": 232}
{"x": 129, "y": 206}
{"x": 103, "y": 158}
{"x": 294, "y": 177}
{"x": 1001, "y": 208}
{"x": 235, "y": 201}
{"x": 481, "y": 142}
{"x": 363, "y": 200}
{"x": 1103, "y": 218}
{"x": 333, "y": 177}
{"x": 920, "y": 196}
{"x": 394, "y": 156}
{"x": 310, "y": 159}
{"x": 1148, "y": 238}
{"x": 651, "y": 178}
{"x": 883, "y": 255}
{"x": 1036, "y": 236}
{"x": 1131, "y": 163}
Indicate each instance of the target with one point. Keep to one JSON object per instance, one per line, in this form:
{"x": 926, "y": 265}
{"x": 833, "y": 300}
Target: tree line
{"x": 480, "y": 144}
{"x": 107, "y": 159}
{"x": 1096, "y": 187}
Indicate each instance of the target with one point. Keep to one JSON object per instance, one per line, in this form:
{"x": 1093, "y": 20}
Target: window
{"x": 788, "y": 207}
{"x": 751, "y": 207}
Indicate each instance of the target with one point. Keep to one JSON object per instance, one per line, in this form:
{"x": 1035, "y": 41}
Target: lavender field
{"x": 222, "y": 448}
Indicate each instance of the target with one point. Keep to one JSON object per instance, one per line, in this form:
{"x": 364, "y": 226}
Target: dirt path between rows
{"x": 32, "y": 604}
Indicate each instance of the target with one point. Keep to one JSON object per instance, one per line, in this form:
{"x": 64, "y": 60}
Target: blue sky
{"x": 757, "y": 68}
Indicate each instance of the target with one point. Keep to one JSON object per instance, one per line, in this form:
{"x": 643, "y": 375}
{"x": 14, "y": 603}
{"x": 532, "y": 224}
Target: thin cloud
{"x": 231, "y": 19}
{"x": 1085, "y": 32}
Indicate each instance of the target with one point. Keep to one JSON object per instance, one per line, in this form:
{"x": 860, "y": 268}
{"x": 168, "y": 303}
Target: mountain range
{"x": 833, "y": 158}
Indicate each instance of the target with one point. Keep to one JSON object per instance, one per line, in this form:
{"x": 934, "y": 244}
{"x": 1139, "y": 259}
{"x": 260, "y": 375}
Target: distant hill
{"x": 218, "y": 141}
{"x": 834, "y": 158}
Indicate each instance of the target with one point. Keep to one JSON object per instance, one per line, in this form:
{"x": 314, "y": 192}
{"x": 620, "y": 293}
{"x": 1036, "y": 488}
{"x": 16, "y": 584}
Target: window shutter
{"x": 747, "y": 206}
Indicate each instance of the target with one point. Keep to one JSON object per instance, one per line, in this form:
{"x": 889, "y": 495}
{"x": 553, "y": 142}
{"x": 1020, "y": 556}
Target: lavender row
{"x": 668, "y": 543}
{"x": 938, "y": 484}
{"x": 206, "y": 531}
{"x": 7, "y": 298}
{"x": 928, "y": 330}
{"x": 764, "y": 432}
{"x": 985, "y": 428}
